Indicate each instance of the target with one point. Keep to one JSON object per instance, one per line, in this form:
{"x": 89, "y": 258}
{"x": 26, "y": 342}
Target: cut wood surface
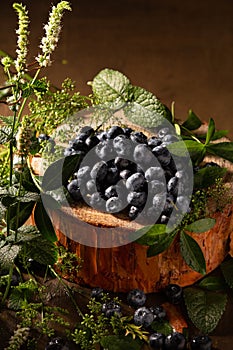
{"x": 125, "y": 267}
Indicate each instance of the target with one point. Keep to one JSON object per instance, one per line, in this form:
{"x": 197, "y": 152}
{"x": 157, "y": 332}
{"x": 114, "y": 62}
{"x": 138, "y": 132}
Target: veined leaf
{"x": 192, "y": 253}
{"x": 201, "y": 225}
{"x": 162, "y": 243}
{"x": 205, "y": 308}
{"x": 44, "y": 223}
{"x": 110, "y": 86}
{"x": 151, "y": 234}
{"x": 207, "y": 176}
{"x": 8, "y": 253}
{"x": 41, "y": 250}
{"x": 215, "y": 283}
{"x": 163, "y": 327}
{"x": 210, "y": 131}
{"x": 19, "y": 213}
{"x": 222, "y": 149}
{"x": 192, "y": 122}
{"x": 59, "y": 172}
{"x": 227, "y": 270}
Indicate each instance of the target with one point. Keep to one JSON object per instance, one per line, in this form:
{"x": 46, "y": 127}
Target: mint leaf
{"x": 111, "y": 86}
{"x": 145, "y": 109}
{"x": 210, "y": 131}
{"x": 162, "y": 243}
{"x": 192, "y": 122}
{"x": 195, "y": 149}
{"x": 151, "y": 235}
{"x": 227, "y": 270}
{"x": 192, "y": 253}
{"x": 8, "y": 253}
{"x": 162, "y": 327}
{"x": 205, "y": 308}
{"x": 119, "y": 342}
{"x": 214, "y": 283}
{"x": 43, "y": 223}
{"x": 222, "y": 149}
{"x": 201, "y": 225}
{"x": 41, "y": 250}
{"x": 206, "y": 177}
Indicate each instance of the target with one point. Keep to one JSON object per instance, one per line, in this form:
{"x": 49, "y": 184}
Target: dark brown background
{"x": 180, "y": 50}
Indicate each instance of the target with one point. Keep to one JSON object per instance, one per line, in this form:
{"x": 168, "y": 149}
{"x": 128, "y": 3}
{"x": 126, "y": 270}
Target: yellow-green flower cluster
{"x": 22, "y": 42}
{"x": 52, "y": 31}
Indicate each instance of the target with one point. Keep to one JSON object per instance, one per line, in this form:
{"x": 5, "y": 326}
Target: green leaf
{"x": 145, "y": 109}
{"x": 201, "y": 225}
{"x": 227, "y": 270}
{"x": 192, "y": 122}
{"x": 26, "y": 180}
{"x": 110, "y": 86}
{"x": 210, "y": 131}
{"x": 44, "y": 223}
{"x": 162, "y": 243}
{"x": 8, "y": 253}
{"x": 217, "y": 135}
{"x": 151, "y": 234}
{"x": 194, "y": 149}
{"x": 221, "y": 149}
{"x": 162, "y": 327}
{"x": 205, "y": 308}
{"x": 119, "y": 342}
{"x": 215, "y": 283}
{"x": 59, "y": 172}
{"x": 19, "y": 213}
{"x": 192, "y": 253}
{"x": 41, "y": 250}
{"x": 5, "y": 133}
{"x": 207, "y": 176}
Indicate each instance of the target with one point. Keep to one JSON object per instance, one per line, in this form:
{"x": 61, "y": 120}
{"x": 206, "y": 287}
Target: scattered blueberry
{"x": 136, "y": 298}
{"x": 201, "y": 342}
{"x": 158, "y": 312}
{"x": 143, "y": 317}
{"x": 137, "y": 199}
{"x": 174, "y": 293}
{"x": 175, "y": 341}
{"x": 111, "y": 308}
{"x": 135, "y": 182}
{"x": 156, "y": 341}
{"x": 114, "y": 205}
{"x": 142, "y": 154}
{"x": 97, "y": 293}
{"x": 57, "y": 343}
{"x": 74, "y": 190}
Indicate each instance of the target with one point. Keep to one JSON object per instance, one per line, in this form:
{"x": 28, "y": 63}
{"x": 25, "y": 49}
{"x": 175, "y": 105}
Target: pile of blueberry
{"x": 144, "y": 317}
{"x": 124, "y": 171}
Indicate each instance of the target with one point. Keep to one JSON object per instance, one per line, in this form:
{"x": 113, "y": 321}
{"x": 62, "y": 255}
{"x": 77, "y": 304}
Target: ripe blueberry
{"x": 142, "y": 154}
{"x": 135, "y": 182}
{"x": 156, "y": 341}
{"x": 201, "y": 342}
{"x": 111, "y": 308}
{"x": 174, "y": 293}
{"x": 136, "y": 298}
{"x": 137, "y": 199}
{"x": 114, "y": 205}
{"x": 143, "y": 317}
{"x": 175, "y": 341}
{"x": 97, "y": 293}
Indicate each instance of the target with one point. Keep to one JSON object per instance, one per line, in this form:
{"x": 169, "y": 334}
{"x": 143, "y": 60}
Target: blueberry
{"x": 201, "y": 342}
{"x": 92, "y": 141}
{"x": 137, "y": 199}
{"x": 82, "y": 136}
{"x": 143, "y": 317}
{"x": 97, "y": 201}
{"x": 182, "y": 202}
{"x": 99, "y": 170}
{"x": 88, "y": 130}
{"x": 158, "y": 312}
{"x": 135, "y": 182}
{"x": 112, "y": 176}
{"x": 74, "y": 190}
{"x": 92, "y": 186}
{"x": 156, "y": 187}
{"x": 102, "y": 136}
{"x": 162, "y": 154}
{"x": 163, "y": 132}
{"x": 121, "y": 163}
{"x": 127, "y": 131}
{"x": 133, "y": 212}
{"x": 114, "y": 205}
{"x": 125, "y": 174}
{"x": 164, "y": 219}
{"x": 111, "y": 191}
{"x": 97, "y": 293}
{"x": 78, "y": 145}
{"x": 175, "y": 341}
{"x": 156, "y": 341}
{"x": 167, "y": 139}
{"x": 104, "y": 149}
{"x": 138, "y": 137}
{"x": 174, "y": 293}
{"x": 122, "y": 145}
{"x": 154, "y": 173}
{"x": 159, "y": 201}
{"x": 169, "y": 206}
{"x": 142, "y": 154}
{"x": 111, "y": 308}
{"x": 83, "y": 173}
{"x": 172, "y": 185}
{"x": 136, "y": 298}
{"x": 114, "y": 131}
{"x": 153, "y": 142}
